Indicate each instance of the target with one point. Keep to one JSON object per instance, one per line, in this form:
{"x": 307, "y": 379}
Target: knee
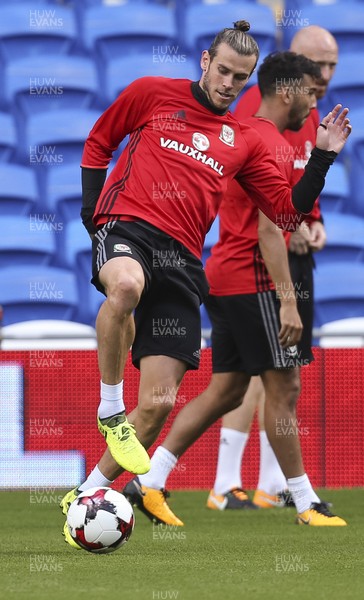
{"x": 231, "y": 394}
{"x": 294, "y": 390}
{"x": 236, "y": 398}
{"x": 154, "y": 410}
{"x": 123, "y": 293}
{"x": 238, "y": 390}
{"x": 290, "y": 392}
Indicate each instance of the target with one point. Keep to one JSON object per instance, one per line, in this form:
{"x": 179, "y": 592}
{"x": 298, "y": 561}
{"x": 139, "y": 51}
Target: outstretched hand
{"x": 334, "y": 130}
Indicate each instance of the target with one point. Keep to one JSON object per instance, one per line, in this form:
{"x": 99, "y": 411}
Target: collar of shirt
{"x": 202, "y": 98}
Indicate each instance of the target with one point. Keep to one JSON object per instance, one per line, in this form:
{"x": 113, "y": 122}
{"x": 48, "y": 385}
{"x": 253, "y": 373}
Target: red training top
{"x": 180, "y": 157}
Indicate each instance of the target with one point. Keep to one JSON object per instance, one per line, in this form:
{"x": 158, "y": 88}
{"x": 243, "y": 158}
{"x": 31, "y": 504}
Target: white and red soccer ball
{"x": 100, "y": 520}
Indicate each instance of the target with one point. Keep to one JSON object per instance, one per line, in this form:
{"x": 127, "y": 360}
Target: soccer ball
{"x": 100, "y": 520}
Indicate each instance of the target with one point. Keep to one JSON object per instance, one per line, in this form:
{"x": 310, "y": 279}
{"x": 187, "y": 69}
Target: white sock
{"x": 302, "y": 492}
{"x": 271, "y": 478}
{"x": 161, "y": 464}
{"x": 112, "y": 401}
{"x": 231, "y": 449}
{"x": 95, "y": 479}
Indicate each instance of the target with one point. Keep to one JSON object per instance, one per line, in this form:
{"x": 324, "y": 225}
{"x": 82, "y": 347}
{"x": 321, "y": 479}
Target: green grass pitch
{"x": 217, "y": 555}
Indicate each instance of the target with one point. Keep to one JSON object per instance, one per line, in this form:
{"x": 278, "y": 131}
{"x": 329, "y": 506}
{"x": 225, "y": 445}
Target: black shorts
{"x": 167, "y": 318}
{"x": 244, "y": 335}
{"x": 301, "y": 269}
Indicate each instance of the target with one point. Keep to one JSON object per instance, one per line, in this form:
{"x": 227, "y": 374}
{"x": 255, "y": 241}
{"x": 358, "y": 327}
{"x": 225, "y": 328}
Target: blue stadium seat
{"x": 339, "y": 292}
{"x": 40, "y": 292}
{"x": 77, "y": 246}
{"x": 335, "y": 195}
{"x": 26, "y": 241}
{"x": 122, "y": 71}
{"x": 78, "y": 256}
{"x": 79, "y": 250}
{"x": 181, "y": 7}
{"x": 64, "y": 193}
{"x": 28, "y": 29}
{"x": 8, "y": 139}
{"x": 84, "y": 4}
{"x": 354, "y": 157}
{"x": 35, "y": 2}
{"x": 344, "y": 20}
{"x": 18, "y": 190}
{"x": 347, "y": 84}
{"x": 345, "y": 239}
{"x": 57, "y": 137}
{"x": 110, "y": 31}
{"x": 204, "y": 21}
{"x": 81, "y": 6}
{"x": 40, "y": 83}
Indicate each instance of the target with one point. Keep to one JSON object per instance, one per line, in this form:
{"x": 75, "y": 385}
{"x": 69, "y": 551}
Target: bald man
{"x": 320, "y": 46}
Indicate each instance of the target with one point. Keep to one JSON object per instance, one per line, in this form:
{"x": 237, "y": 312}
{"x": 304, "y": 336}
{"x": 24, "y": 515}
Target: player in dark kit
{"x": 132, "y": 230}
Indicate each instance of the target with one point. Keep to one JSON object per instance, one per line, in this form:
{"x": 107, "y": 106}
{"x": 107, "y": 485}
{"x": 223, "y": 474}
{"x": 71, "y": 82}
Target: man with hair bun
{"x": 152, "y": 306}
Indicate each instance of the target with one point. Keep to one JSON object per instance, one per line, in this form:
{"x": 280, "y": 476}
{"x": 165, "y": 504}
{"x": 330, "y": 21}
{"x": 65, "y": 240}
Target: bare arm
{"x": 274, "y": 252}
